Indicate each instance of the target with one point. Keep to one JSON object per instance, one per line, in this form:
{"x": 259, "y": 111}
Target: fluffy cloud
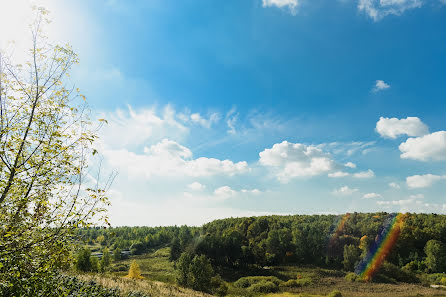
{"x": 371, "y": 196}
{"x": 423, "y": 181}
{"x": 413, "y": 199}
{"x": 253, "y": 191}
{"x": 394, "y": 185}
{"x": 380, "y": 85}
{"x": 224, "y": 192}
{"x": 168, "y": 158}
{"x": 378, "y": 9}
{"x": 364, "y": 174}
{"x": 344, "y": 191}
{"x": 196, "y": 186}
{"x": 338, "y": 174}
{"x": 293, "y": 160}
{"x": 393, "y": 127}
{"x": 350, "y": 165}
{"x": 291, "y": 5}
{"x": 430, "y": 147}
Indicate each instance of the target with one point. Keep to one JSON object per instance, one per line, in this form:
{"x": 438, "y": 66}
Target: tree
{"x": 83, "y": 260}
{"x": 105, "y": 260}
{"x": 46, "y": 144}
{"x": 117, "y": 254}
{"x": 175, "y": 249}
{"x": 134, "y": 271}
{"x": 351, "y": 256}
{"x": 435, "y": 256}
{"x": 195, "y": 272}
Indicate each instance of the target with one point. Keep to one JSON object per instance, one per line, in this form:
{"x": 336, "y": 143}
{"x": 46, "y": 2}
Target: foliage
{"x": 248, "y": 281}
{"x": 435, "y": 256}
{"x": 105, "y": 260}
{"x": 134, "y": 271}
{"x": 83, "y": 260}
{"x": 335, "y": 293}
{"x": 351, "y": 257}
{"x": 46, "y": 140}
{"x": 195, "y": 272}
{"x": 264, "y": 287}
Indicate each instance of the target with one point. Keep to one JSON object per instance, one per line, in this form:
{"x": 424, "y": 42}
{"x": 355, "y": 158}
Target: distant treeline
{"x": 336, "y": 241}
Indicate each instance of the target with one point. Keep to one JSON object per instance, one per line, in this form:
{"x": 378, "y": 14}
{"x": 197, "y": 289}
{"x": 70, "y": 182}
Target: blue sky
{"x": 238, "y": 108}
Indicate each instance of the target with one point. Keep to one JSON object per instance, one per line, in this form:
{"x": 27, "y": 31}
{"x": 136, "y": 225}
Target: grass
{"x": 159, "y": 280}
{"x": 149, "y": 287}
{"x": 154, "y": 265}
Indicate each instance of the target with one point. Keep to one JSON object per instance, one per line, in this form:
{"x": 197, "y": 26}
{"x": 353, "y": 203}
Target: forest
{"x": 245, "y": 252}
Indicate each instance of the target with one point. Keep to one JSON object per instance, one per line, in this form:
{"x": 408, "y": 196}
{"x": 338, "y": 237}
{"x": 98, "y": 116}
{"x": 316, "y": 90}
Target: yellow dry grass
{"x": 152, "y": 288}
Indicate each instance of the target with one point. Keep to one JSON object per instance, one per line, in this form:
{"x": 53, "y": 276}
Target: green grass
{"x": 154, "y": 265}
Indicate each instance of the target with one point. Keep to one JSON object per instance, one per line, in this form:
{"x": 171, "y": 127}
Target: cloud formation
{"x": 430, "y": 147}
{"x": 371, "y": 196}
{"x": 291, "y": 160}
{"x": 423, "y": 181}
{"x": 393, "y": 127}
{"x": 364, "y": 174}
{"x": 378, "y": 9}
{"x": 380, "y": 85}
{"x": 291, "y": 5}
{"x": 344, "y": 191}
{"x": 169, "y": 158}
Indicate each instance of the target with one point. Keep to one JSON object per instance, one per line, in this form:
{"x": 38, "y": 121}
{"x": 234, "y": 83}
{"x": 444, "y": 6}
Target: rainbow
{"x": 382, "y": 246}
{"x": 340, "y": 228}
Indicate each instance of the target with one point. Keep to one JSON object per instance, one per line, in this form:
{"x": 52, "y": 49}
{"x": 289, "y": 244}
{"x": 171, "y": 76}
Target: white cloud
{"x": 364, "y": 174}
{"x": 350, "y": 165}
{"x": 378, "y": 9}
{"x": 423, "y": 181}
{"x": 253, "y": 191}
{"x": 380, "y": 85}
{"x": 293, "y": 160}
{"x": 132, "y": 128}
{"x": 168, "y": 158}
{"x": 371, "y": 196}
{"x": 344, "y": 191}
{"x": 413, "y": 199}
{"x": 338, "y": 174}
{"x": 231, "y": 119}
{"x": 347, "y": 148}
{"x": 224, "y": 192}
{"x": 207, "y": 123}
{"x": 393, "y": 127}
{"x": 196, "y": 186}
{"x": 430, "y": 147}
{"x": 291, "y": 5}
{"x": 394, "y": 185}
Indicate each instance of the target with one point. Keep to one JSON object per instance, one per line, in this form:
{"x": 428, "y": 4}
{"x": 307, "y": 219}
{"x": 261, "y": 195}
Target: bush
{"x": 292, "y": 283}
{"x": 264, "y": 287}
{"x": 352, "y": 277}
{"x": 389, "y": 272}
{"x": 335, "y": 293}
{"x": 248, "y": 281}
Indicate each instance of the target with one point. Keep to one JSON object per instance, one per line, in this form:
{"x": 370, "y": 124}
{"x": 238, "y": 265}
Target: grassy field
{"x": 159, "y": 274}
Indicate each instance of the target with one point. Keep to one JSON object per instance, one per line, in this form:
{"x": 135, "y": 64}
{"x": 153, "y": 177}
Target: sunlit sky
{"x": 241, "y": 108}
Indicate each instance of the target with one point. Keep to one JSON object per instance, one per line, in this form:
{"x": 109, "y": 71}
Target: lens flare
{"x": 381, "y": 248}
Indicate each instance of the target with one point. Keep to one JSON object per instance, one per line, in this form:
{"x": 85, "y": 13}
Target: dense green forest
{"x": 299, "y": 239}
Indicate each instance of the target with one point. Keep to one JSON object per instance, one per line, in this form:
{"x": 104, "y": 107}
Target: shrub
{"x": 335, "y": 293}
{"x": 248, "y": 281}
{"x": 301, "y": 282}
{"x": 264, "y": 287}
{"x": 292, "y": 283}
{"x": 134, "y": 271}
{"x": 391, "y": 272}
{"x": 352, "y": 277}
